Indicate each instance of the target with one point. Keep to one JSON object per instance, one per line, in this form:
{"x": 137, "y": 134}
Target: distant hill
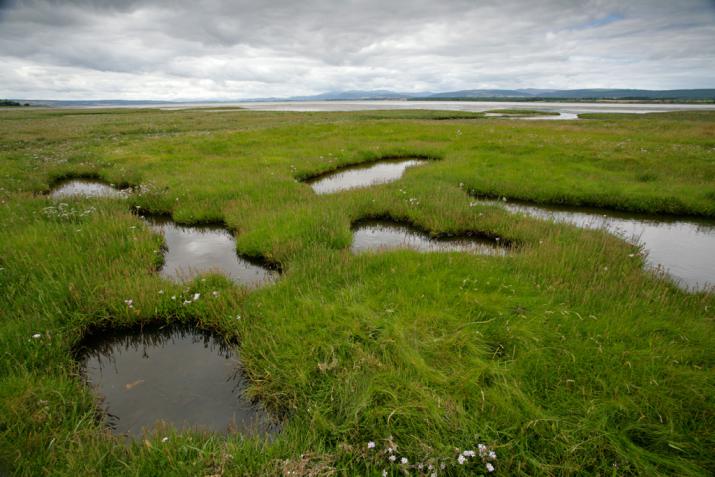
{"x": 530, "y": 94}
{"x": 483, "y": 93}
{"x": 582, "y": 94}
{"x": 355, "y": 95}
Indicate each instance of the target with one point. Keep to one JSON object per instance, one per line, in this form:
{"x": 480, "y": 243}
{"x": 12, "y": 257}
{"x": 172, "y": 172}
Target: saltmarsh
{"x": 564, "y": 356}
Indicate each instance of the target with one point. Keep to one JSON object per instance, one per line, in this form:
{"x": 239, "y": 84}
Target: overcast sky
{"x": 170, "y": 49}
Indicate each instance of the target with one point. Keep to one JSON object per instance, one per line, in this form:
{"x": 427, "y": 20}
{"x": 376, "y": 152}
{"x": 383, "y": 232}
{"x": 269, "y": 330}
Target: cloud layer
{"x": 180, "y": 49}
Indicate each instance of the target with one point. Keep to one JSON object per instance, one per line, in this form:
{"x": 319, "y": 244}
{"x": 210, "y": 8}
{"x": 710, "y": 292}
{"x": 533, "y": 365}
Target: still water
{"x": 85, "y": 188}
{"x": 384, "y": 235}
{"x": 684, "y": 248}
{"x": 183, "y": 377}
{"x": 192, "y": 250}
{"x": 362, "y": 175}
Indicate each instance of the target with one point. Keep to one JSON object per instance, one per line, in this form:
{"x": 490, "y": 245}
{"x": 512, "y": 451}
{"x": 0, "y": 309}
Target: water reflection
{"x": 363, "y": 175}
{"x": 199, "y": 249}
{"x": 184, "y": 377}
{"x": 684, "y": 248}
{"x": 384, "y": 235}
{"x": 85, "y": 188}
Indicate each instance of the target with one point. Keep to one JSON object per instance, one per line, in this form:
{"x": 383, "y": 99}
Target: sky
{"x": 194, "y": 49}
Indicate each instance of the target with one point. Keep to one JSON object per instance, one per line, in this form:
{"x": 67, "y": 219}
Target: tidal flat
{"x": 564, "y": 353}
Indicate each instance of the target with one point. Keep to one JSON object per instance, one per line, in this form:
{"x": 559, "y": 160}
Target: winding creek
{"x": 183, "y": 377}
{"x": 684, "y": 248}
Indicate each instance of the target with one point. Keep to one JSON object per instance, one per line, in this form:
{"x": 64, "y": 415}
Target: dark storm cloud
{"x": 204, "y": 49}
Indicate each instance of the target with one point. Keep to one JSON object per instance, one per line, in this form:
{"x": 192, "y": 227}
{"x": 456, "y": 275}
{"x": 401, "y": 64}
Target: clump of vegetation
{"x": 564, "y": 358}
{"x": 11, "y": 103}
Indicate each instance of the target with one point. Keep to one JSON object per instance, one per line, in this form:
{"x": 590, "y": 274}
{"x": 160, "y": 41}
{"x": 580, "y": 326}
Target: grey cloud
{"x": 202, "y": 49}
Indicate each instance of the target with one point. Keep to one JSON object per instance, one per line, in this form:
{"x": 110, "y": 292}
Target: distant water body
{"x": 473, "y": 106}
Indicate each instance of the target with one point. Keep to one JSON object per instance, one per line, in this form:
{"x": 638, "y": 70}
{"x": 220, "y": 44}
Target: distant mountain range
{"x": 521, "y": 94}
{"x": 672, "y": 95}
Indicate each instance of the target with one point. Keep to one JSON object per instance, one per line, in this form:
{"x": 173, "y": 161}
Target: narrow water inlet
{"x": 184, "y": 377}
{"x": 192, "y": 250}
{"x": 684, "y": 248}
{"x": 85, "y": 188}
{"x": 376, "y": 235}
{"x": 363, "y": 175}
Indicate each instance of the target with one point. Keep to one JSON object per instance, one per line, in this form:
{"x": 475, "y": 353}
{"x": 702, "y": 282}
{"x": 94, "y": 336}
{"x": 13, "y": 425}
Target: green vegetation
{"x": 565, "y": 357}
{"x": 10, "y": 103}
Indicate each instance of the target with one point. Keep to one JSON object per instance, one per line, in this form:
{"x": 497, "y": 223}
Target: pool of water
{"x": 192, "y": 250}
{"x": 534, "y": 117}
{"x": 362, "y": 175}
{"x": 385, "y": 235}
{"x": 85, "y": 188}
{"x": 183, "y": 377}
{"x": 684, "y": 248}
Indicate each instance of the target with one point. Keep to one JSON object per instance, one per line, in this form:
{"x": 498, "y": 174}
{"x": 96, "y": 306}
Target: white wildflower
{"x": 492, "y": 455}
{"x": 370, "y": 445}
{"x": 392, "y": 458}
{"x": 165, "y": 439}
{"x": 461, "y": 459}
{"x": 37, "y": 336}
{"x": 403, "y": 460}
{"x": 384, "y": 473}
{"x": 196, "y": 296}
{"x": 161, "y": 292}
{"x": 129, "y": 303}
{"x": 214, "y": 293}
{"x": 490, "y": 467}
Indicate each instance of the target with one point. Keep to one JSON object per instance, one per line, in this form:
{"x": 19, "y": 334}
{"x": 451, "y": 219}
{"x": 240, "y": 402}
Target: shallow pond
{"x": 199, "y": 249}
{"x": 85, "y": 188}
{"x": 184, "y": 377}
{"x": 535, "y": 117}
{"x": 384, "y": 235}
{"x": 362, "y": 175}
{"x": 684, "y": 248}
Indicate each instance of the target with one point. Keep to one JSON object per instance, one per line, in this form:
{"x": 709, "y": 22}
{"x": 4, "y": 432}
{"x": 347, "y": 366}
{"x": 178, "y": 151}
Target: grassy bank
{"x": 565, "y": 357}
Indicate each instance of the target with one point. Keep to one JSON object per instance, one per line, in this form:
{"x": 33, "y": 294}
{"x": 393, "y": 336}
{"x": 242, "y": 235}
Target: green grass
{"x": 565, "y": 357}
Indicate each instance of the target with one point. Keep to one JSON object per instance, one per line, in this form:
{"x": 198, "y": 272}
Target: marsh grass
{"x": 566, "y": 357}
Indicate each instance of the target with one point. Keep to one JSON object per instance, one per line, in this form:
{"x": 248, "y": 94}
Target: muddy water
{"x": 85, "y": 188}
{"x": 184, "y": 377}
{"x": 362, "y": 175}
{"x": 385, "y": 235}
{"x": 685, "y": 249}
{"x": 200, "y": 249}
